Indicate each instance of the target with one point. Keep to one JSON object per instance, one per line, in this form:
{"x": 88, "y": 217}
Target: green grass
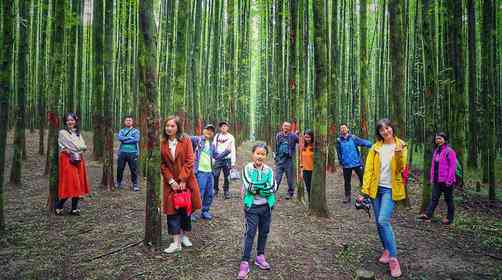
{"x": 488, "y": 231}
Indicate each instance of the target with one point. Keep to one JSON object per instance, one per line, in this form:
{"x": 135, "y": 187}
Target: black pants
{"x": 74, "y": 203}
{"x": 132, "y": 160}
{"x": 223, "y": 165}
{"x": 307, "y": 178}
{"x": 258, "y": 217}
{"x": 437, "y": 189}
{"x": 179, "y": 221}
{"x": 347, "y": 176}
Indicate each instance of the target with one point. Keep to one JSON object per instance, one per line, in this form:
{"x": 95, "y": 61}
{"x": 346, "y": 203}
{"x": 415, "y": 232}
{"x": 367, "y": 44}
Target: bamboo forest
{"x": 155, "y": 139}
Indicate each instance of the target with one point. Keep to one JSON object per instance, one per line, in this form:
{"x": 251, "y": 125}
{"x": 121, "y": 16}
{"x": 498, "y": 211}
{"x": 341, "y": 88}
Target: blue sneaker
{"x": 135, "y": 189}
{"x": 207, "y": 216}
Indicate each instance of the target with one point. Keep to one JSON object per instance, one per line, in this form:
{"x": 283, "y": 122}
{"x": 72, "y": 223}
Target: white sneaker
{"x": 173, "y": 248}
{"x": 185, "y": 241}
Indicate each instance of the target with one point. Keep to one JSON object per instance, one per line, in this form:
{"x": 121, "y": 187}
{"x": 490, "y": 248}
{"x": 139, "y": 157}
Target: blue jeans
{"x": 383, "y": 206}
{"x": 206, "y": 181}
{"x": 285, "y": 166}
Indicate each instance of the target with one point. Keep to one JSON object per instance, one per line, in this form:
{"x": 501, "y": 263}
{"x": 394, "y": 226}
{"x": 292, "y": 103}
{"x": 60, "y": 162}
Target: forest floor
{"x": 105, "y": 241}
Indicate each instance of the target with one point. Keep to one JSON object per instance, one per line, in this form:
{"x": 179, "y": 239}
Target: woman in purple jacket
{"x": 442, "y": 177}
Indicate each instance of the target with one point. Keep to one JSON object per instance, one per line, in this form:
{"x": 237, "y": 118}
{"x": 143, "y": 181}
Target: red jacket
{"x": 181, "y": 170}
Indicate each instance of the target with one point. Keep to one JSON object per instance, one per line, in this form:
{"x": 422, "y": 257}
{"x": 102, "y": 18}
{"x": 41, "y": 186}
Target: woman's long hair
{"x": 179, "y": 129}
{"x": 77, "y": 120}
{"x": 311, "y": 134}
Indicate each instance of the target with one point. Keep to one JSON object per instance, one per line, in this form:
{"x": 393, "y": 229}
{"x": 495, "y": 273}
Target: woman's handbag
{"x": 183, "y": 200}
{"x": 234, "y": 174}
{"x": 75, "y": 158}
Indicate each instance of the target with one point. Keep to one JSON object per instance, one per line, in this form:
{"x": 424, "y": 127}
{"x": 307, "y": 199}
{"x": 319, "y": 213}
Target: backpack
{"x": 459, "y": 170}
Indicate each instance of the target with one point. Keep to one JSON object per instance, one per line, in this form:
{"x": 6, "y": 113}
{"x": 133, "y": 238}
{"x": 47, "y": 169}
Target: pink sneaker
{"x": 262, "y": 263}
{"x": 395, "y": 268}
{"x": 243, "y": 270}
{"x": 385, "y": 257}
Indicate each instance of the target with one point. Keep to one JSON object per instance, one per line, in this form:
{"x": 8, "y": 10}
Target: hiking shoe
{"x": 385, "y": 257}
{"x": 75, "y": 212}
{"x": 206, "y": 216}
{"x": 243, "y": 270}
{"x": 424, "y": 217}
{"x": 262, "y": 263}
{"x": 59, "y": 212}
{"x": 135, "y": 189}
{"x": 185, "y": 241}
{"x": 173, "y": 248}
{"x": 395, "y": 268}
{"x": 227, "y": 195}
{"x": 347, "y": 199}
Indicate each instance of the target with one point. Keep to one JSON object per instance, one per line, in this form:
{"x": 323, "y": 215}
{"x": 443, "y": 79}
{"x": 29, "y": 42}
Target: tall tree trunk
{"x": 97, "y": 39}
{"x": 107, "y": 179}
{"x": 42, "y": 74}
{"x": 318, "y": 206}
{"x": 472, "y": 161}
{"x": 5, "y": 91}
{"x": 57, "y": 83}
{"x": 22, "y": 92}
{"x": 456, "y": 64}
{"x": 148, "y": 75}
{"x": 396, "y": 45}
{"x": 488, "y": 94}
{"x": 183, "y": 15}
{"x": 363, "y": 69}
{"x": 430, "y": 93}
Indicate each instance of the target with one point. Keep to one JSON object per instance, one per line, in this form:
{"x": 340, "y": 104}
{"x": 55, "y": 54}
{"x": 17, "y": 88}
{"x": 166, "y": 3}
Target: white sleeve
{"x": 233, "y": 157}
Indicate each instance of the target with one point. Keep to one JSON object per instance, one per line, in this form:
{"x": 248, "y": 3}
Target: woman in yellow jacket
{"x": 383, "y": 183}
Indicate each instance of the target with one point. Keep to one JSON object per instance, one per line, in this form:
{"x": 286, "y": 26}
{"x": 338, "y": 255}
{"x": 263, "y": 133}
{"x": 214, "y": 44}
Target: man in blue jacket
{"x": 349, "y": 157}
{"x": 128, "y": 152}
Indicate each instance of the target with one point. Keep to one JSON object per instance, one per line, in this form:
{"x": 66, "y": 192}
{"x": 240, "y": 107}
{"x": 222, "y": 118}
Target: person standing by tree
{"x": 128, "y": 152}
{"x": 384, "y": 185}
{"x": 349, "y": 157}
{"x": 285, "y": 149}
{"x": 307, "y": 159}
{"x": 72, "y": 177}
{"x": 177, "y": 171}
{"x": 442, "y": 177}
{"x": 225, "y": 144}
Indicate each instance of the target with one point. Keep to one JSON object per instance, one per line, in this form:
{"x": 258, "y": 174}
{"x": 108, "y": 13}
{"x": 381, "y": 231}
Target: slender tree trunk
{"x": 456, "y": 64}
{"x": 430, "y": 93}
{"x": 5, "y": 91}
{"x": 363, "y": 69}
{"x": 98, "y": 33}
{"x": 148, "y": 75}
{"x": 57, "y": 66}
{"x": 42, "y": 75}
{"x": 396, "y": 44}
{"x": 318, "y": 206}
{"x": 107, "y": 179}
{"x": 472, "y": 161}
{"x": 488, "y": 93}
{"x": 22, "y": 92}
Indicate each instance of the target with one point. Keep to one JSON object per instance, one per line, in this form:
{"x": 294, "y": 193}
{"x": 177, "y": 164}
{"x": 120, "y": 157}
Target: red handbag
{"x": 183, "y": 200}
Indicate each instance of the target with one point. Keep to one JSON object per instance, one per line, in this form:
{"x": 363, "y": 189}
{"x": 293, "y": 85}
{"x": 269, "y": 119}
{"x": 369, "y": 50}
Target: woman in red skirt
{"x": 72, "y": 174}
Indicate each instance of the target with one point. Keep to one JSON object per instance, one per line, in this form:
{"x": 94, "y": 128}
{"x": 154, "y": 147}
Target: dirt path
{"x": 299, "y": 247}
